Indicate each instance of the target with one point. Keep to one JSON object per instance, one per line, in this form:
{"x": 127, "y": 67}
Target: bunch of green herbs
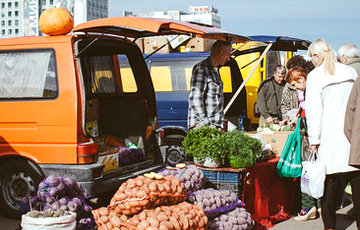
{"x": 205, "y": 142}
{"x": 243, "y": 149}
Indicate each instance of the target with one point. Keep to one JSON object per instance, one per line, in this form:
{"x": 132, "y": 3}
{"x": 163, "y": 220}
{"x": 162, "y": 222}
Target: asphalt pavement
{"x": 342, "y": 222}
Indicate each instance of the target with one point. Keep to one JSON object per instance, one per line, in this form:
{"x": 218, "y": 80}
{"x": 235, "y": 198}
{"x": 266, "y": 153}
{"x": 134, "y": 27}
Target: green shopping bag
{"x": 289, "y": 164}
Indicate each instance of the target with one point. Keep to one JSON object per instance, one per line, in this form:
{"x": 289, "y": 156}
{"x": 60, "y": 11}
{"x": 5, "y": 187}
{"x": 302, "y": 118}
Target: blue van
{"x": 171, "y": 74}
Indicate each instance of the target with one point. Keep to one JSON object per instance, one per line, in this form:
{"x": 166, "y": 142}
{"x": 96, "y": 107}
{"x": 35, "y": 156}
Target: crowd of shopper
{"x": 326, "y": 90}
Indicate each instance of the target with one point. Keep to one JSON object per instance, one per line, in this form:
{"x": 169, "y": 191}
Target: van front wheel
{"x": 19, "y": 179}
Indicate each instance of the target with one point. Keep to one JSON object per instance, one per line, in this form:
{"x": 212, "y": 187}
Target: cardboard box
{"x": 177, "y": 40}
{"x": 199, "y": 45}
{"x": 140, "y": 43}
{"x": 152, "y": 44}
{"x": 276, "y": 140}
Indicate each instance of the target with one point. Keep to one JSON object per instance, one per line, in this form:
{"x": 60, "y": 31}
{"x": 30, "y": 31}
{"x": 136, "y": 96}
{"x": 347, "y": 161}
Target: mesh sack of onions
{"x": 214, "y": 202}
{"x": 237, "y": 219}
{"x": 190, "y": 176}
{"x": 59, "y": 195}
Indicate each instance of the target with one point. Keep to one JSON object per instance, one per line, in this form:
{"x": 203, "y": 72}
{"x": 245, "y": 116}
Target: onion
{"x": 52, "y": 181}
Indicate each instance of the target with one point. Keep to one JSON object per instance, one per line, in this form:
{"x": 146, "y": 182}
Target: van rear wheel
{"x": 19, "y": 179}
{"x": 174, "y": 155}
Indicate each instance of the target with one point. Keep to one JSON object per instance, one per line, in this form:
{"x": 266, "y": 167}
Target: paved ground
{"x": 342, "y": 223}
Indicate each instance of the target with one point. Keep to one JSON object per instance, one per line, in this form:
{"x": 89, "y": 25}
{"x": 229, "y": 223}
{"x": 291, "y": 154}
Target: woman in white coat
{"x": 327, "y": 92}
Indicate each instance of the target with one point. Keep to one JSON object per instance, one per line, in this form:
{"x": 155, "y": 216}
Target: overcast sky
{"x": 336, "y": 21}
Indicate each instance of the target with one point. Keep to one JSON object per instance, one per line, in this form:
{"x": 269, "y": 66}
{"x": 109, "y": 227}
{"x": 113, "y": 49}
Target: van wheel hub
{"x": 18, "y": 186}
{"x": 175, "y": 155}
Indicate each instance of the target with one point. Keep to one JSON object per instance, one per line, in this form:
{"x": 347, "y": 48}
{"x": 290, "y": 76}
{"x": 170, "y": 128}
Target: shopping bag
{"x": 313, "y": 177}
{"x": 289, "y": 164}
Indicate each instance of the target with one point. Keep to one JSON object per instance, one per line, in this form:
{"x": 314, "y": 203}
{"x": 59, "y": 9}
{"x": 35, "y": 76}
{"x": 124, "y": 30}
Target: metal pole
{"x": 247, "y": 78}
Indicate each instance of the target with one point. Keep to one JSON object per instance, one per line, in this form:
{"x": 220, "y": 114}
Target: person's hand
{"x": 270, "y": 120}
{"x": 313, "y": 148}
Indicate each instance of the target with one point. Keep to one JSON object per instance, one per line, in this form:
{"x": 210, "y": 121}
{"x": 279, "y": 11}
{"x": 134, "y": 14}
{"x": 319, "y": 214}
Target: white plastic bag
{"x": 313, "y": 178}
{"x": 67, "y": 222}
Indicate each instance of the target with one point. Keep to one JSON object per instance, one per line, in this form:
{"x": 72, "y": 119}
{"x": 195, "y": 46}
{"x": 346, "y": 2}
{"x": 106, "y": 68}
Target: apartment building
{"x": 21, "y": 17}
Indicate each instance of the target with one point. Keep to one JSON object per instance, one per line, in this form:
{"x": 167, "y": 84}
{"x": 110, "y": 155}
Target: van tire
{"x": 19, "y": 179}
{"x": 174, "y": 155}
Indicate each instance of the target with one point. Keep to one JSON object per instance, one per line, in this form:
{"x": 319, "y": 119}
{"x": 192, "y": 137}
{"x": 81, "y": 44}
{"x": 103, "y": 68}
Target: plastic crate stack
{"x": 233, "y": 181}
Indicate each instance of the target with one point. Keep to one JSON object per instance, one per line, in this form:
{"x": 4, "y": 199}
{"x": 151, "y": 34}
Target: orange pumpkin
{"x": 56, "y": 21}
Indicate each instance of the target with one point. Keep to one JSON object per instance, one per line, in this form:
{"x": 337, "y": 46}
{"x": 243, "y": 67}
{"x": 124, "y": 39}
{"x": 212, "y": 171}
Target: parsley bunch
{"x": 205, "y": 142}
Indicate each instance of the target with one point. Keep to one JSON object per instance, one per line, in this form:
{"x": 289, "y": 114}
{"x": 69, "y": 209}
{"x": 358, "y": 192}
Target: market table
{"x": 269, "y": 197}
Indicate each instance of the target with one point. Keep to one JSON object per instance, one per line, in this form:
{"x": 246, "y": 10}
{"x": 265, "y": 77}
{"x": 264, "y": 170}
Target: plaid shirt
{"x": 206, "y": 99}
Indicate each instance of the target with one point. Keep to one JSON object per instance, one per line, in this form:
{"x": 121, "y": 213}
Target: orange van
{"x": 64, "y": 110}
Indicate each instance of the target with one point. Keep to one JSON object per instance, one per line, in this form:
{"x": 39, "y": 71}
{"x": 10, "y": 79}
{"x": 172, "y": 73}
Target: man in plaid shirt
{"x": 206, "y": 99}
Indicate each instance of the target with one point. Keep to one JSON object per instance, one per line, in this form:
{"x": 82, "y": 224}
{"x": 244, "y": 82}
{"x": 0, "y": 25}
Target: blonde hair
{"x": 326, "y": 54}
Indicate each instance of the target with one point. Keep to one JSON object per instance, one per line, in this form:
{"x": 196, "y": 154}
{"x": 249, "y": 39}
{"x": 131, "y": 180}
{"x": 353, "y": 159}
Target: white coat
{"x": 326, "y": 99}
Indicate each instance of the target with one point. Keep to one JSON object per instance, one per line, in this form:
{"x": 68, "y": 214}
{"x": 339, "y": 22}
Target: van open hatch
{"x": 136, "y": 27}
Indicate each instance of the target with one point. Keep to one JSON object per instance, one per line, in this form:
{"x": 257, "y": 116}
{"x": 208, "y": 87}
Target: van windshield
{"x": 172, "y": 75}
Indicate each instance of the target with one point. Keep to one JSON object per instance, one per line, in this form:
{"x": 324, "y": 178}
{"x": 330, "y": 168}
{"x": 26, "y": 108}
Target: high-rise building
{"x": 200, "y": 14}
{"x": 10, "y": 18}
{"x": 21, "y": 17}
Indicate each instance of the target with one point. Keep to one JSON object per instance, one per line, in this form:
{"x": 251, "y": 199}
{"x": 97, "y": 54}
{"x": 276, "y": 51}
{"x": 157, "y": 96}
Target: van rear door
{"x": 135, "y": 27}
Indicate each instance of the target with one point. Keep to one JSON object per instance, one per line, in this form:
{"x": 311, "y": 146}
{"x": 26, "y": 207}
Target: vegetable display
{"x": 130, "y": 155}
{"x": 204, "y": 142}
{"x": 238, "y": 219}
{"x": 47, "y": 213}
{"x": 190, "y": 176}
{"x": 241, "y": 149}
{"x": 235, "y": 146}
{"x": 183, "y": 216}
{"x": 143, "y": 192}
{"x": 108, "y": 219}
{"x": 156, "y": 201}
{"x": 58, "y": 195}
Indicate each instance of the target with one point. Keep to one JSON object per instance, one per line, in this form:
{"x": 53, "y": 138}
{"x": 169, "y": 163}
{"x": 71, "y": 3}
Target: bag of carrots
{"x": 145, "y": 192}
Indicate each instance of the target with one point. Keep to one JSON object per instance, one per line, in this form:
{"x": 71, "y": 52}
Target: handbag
{"x": 289, "y": 164}
{"x": 313, "y": 177}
